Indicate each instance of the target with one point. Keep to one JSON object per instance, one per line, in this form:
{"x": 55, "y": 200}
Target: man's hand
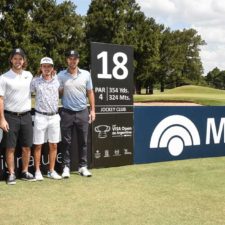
{"x": 4, "y": 125}
{"x": 91, "y": 116}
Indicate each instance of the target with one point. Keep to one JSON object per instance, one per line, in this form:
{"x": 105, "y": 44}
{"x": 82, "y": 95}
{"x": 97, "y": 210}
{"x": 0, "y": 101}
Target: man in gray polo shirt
{"x": 76, "y": 84}
{"x": 15, "y": 117}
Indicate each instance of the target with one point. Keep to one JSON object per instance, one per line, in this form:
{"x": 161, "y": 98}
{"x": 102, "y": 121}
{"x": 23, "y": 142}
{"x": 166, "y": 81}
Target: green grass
{"x": 190, "y": 93}
{"x": 188, "y": 192}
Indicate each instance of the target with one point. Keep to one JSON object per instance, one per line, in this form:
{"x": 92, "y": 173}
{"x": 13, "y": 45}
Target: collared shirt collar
{"x": 53, "y": 78}
{"x": 15, "y": 72}
{"x": 78, "y": 71}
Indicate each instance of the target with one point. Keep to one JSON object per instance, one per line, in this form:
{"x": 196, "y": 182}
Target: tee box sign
{"x": 112, "y": 131}
{"x": 112, "y": 74}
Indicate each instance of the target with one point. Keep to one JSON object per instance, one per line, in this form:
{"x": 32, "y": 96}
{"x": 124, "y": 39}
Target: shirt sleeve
{"x": 89, "y": 83}
{"x": 32, "y": 85}
{"x": 59, "y": 77}
{"x": 2, "y": 86}
{"x": 57, "y": 81}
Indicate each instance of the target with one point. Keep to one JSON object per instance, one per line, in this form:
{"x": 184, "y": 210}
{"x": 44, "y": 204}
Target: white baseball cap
{"x": 46, "y": 60}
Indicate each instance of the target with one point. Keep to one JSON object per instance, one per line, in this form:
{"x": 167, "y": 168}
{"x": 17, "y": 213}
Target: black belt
{"x": 17, "y": 113}
{"x": 71, "y": 111}
{"x": 47, "y": 114}
{"x": 68, "y": 110}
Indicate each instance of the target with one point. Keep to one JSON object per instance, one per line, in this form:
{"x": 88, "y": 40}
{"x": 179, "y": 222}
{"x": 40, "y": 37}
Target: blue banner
{"x": 181, "y": 132}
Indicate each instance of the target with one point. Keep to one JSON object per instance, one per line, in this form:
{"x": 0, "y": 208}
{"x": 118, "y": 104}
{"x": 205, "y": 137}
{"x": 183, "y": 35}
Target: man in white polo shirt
{"x": 47, "y": 119}
{"x": 15, "y": 117}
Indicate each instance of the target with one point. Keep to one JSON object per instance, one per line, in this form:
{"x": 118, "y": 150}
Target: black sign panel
{"x": 112, "y": 140}
{"x": 112, "y": 131}
{"x": 112, "y": 74}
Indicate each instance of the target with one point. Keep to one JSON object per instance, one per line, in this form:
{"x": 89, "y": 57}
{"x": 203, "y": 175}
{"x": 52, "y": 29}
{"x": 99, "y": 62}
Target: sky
{"x": 205, "y": 16}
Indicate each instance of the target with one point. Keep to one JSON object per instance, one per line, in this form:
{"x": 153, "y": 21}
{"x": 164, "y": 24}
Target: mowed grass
{"x": 190, "y": 93}
{"x": 188, "y": 192}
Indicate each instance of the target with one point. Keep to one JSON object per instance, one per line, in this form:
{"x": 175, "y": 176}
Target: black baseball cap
{"x": 72, "y": 53}
{"x": 17, "y": 51}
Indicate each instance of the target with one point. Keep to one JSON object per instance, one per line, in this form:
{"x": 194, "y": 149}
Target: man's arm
{"x": 91, "y": 98}
{"x": 3, "y": 123}
{"x": 59, "y": 78}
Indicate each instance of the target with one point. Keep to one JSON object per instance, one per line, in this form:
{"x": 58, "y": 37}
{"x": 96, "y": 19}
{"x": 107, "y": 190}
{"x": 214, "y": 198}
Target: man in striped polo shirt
{"x": 15, "y": 117}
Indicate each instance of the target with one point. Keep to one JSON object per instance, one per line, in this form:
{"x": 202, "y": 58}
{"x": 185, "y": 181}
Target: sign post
{"x": 112, "y": 132}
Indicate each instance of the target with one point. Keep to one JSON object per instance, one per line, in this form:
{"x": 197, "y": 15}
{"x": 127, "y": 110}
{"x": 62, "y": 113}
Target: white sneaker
{"x": 54, "y": 175}
{"x": 66, "y": 172}
{"x": 83, "y": 171}
{"x": 38, "y": 175}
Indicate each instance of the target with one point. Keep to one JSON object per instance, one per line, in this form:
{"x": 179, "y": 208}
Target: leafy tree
{"x": 41, "y": 28}
{"x": 168, "y": 51}
{"x": 147, "y": 54}
{"x": 216, "y": 78}
{"x": 193, "y": 68}
{"x": 14, "y": 27}
{"x": 122, "y": 22}
{"x": 180, "y": 62}
{"x": 57, "y": 28}
{"x": 210, "y": 78}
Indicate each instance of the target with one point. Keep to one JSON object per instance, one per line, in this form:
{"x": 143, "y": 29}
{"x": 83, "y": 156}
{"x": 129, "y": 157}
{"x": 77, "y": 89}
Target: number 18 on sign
{"x": 112, "y": 74}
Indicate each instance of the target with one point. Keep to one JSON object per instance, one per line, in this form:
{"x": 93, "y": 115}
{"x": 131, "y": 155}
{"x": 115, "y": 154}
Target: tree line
{"x": 216, "y": 78}
{"x": 163, "y": 57}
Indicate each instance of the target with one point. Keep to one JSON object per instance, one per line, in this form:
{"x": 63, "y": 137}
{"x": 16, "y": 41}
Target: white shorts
{"x": 46, "y": 128}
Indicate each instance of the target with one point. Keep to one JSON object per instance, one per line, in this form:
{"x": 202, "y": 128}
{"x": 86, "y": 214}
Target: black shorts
{"x": 20, "y": 131}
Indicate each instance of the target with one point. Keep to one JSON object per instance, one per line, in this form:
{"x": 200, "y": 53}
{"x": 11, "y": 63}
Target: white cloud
{"x": 206, "y": 16}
